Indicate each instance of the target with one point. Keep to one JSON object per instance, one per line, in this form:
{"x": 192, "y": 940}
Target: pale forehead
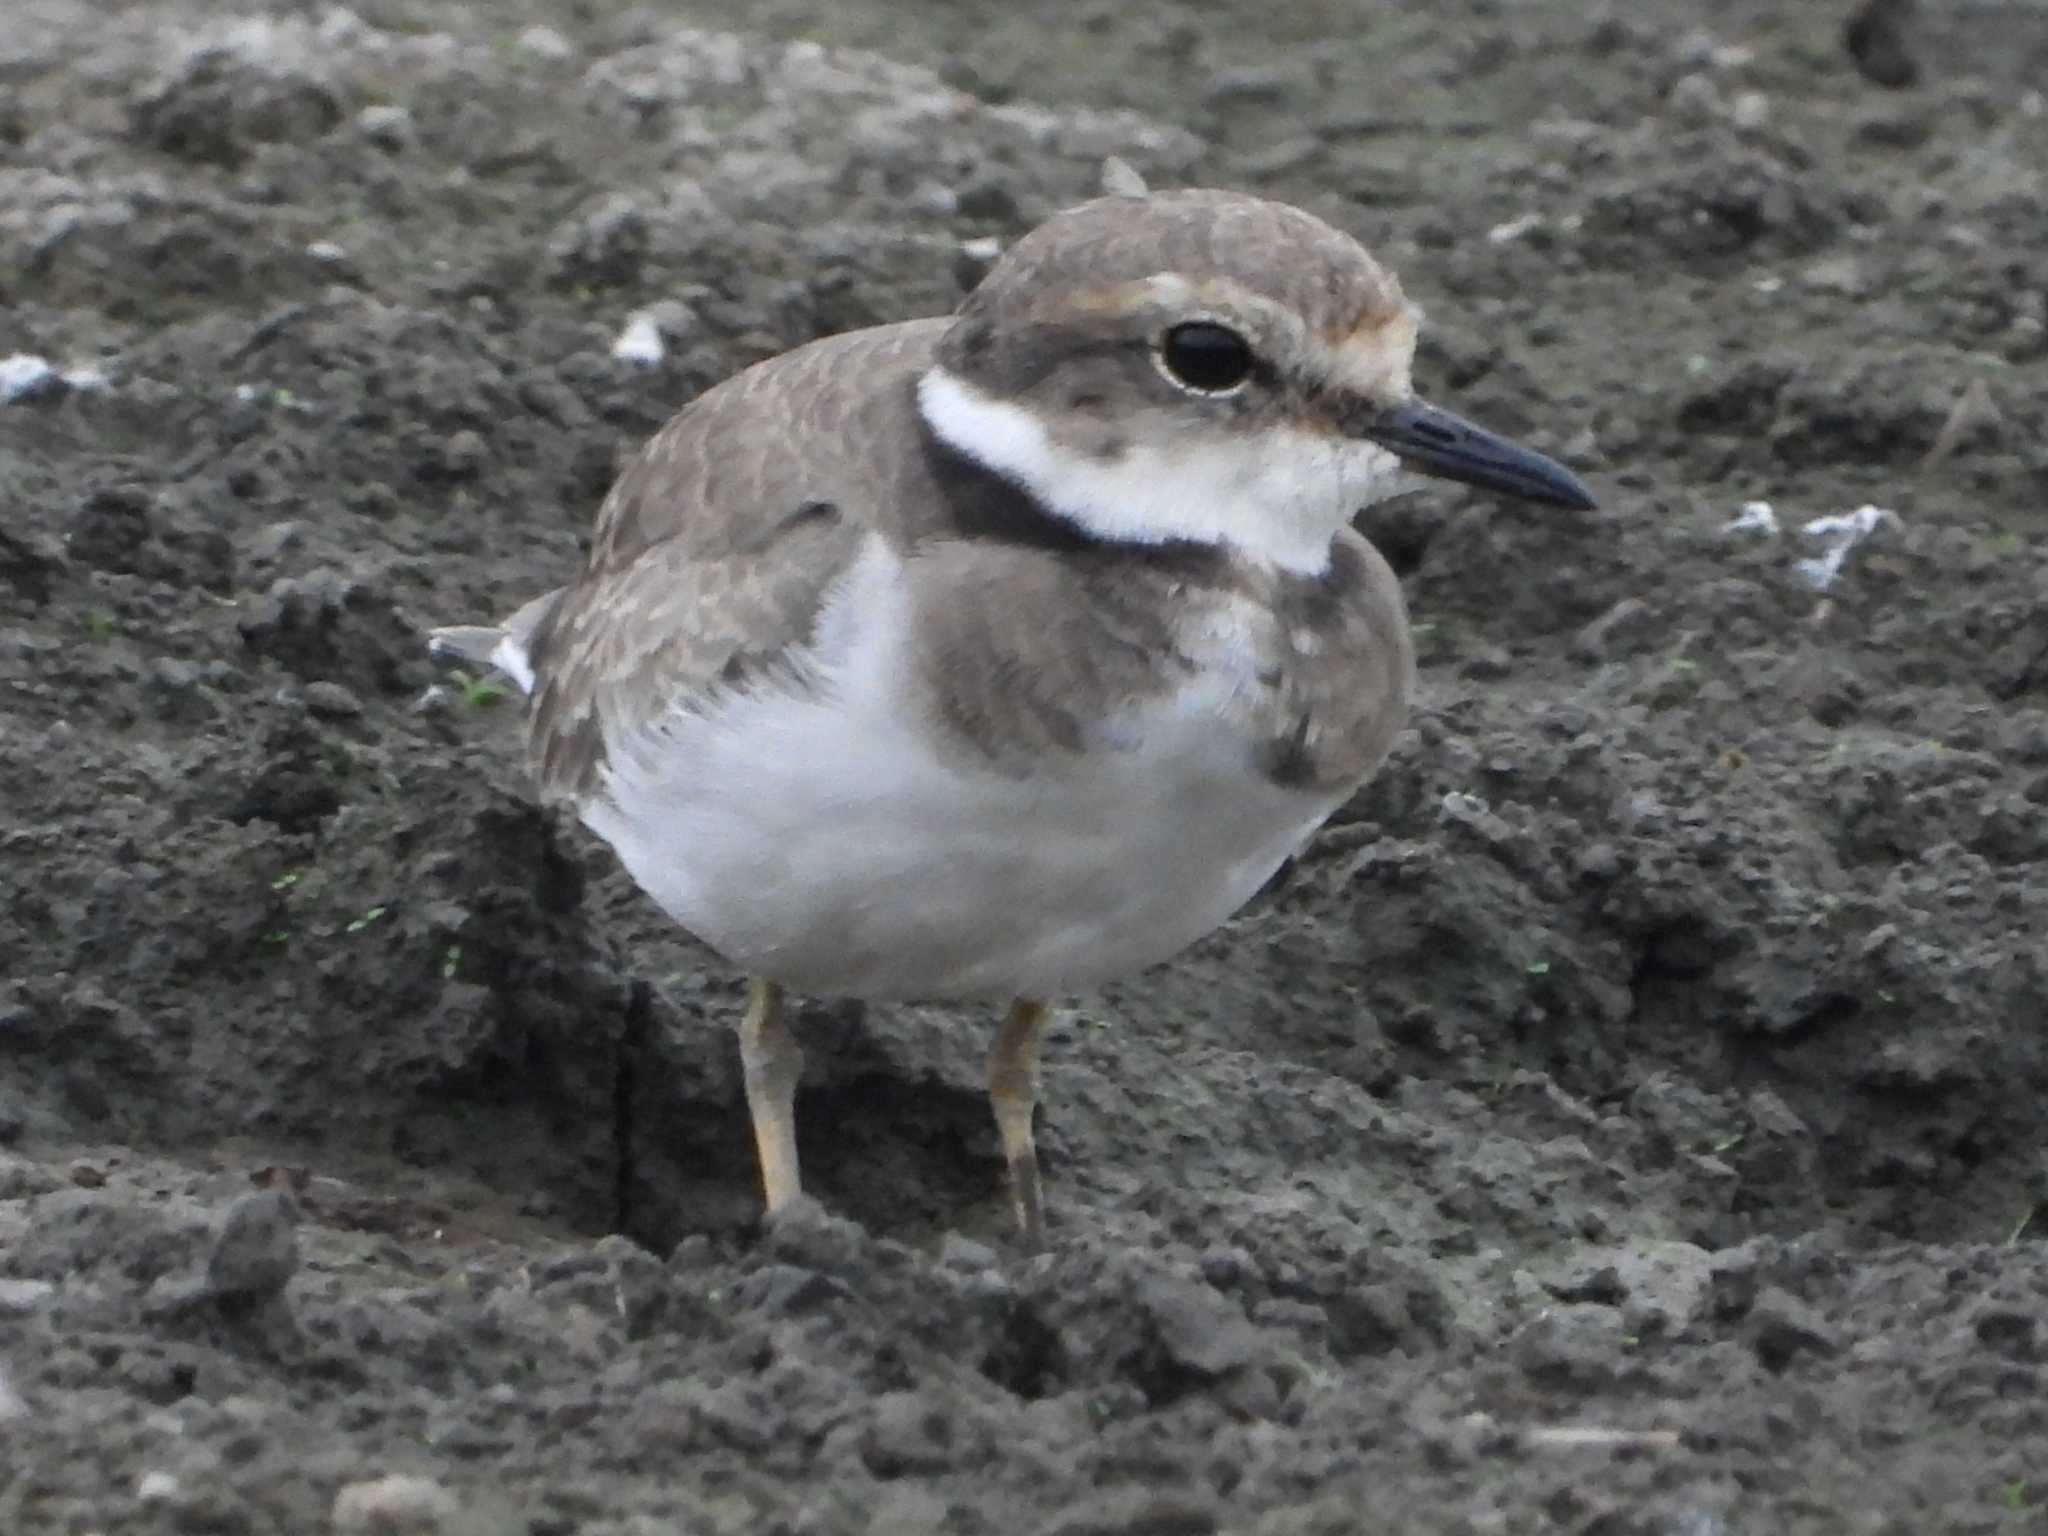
{"x": 1223, "y": 242}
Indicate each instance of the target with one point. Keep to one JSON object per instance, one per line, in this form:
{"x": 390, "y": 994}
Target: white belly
{"x": 818, "y": 840}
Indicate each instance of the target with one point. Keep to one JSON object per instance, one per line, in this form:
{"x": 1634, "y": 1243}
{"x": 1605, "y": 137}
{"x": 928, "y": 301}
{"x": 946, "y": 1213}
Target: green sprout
{"x": 481, "y": 692}
{"x": 357, "y": 925}
{"x": 451, "y": 961}
{"x": 287, "y": 880}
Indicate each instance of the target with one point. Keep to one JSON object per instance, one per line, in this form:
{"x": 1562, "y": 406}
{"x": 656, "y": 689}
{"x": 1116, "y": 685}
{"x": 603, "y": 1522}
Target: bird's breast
{"x": 840, "y": 841}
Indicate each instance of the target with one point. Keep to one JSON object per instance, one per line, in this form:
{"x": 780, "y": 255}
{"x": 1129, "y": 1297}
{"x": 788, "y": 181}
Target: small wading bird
{"x": 997, "y": 655}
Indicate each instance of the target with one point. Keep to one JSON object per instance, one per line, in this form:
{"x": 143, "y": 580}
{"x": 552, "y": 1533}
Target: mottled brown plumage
{"x": 716, "y": 546}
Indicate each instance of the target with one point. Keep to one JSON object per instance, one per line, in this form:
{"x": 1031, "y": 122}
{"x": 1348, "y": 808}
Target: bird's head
{"x": 1205, "y": 366}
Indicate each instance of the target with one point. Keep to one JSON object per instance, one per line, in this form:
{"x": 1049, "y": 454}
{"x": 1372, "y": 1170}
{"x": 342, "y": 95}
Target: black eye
{"x": 1205, "y": 356}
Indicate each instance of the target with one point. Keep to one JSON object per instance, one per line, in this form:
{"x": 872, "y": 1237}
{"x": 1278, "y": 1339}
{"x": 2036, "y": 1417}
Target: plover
{"x": 997, "y": 655}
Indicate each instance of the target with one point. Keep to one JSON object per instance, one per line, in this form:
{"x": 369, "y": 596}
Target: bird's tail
{"x": 471, "y": 643}
{"x": 502, "y": 646}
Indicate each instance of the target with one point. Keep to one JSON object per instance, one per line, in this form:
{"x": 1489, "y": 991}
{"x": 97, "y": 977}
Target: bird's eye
{"x": 1206, "y": 357}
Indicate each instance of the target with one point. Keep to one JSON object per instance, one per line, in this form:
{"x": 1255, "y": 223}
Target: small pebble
{"x": 23, "y": 377}
{"x": 274, "y": 540}
{"x": 640, "y": 342}
{"x": 12, "y": 1406}
{"x": 394, "y": 1506}
{"x": 1695, "y": 99}
{"x": 462, "y": 455}
{"x": 389, "y": 128}
{"x": 257, "y": 1250}
{"x": 332, "y": 701}
{"x": 545, "y": 43}
{"x": 1781, "y": 1327}
{"x": 964, "y": 1253}
{"x": 18, "y": 1298}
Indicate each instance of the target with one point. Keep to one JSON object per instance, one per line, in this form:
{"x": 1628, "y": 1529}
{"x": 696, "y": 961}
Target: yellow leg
{"x": 1013, "y": 1092}
{"x": 773, "y": 1062}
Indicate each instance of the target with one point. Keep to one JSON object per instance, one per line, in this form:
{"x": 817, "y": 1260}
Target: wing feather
{"x": 714, "y": 554}
{"x": 673, "y": 631}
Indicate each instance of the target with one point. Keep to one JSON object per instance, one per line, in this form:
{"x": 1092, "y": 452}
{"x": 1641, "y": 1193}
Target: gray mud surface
{"x": 1628, "y": 1119}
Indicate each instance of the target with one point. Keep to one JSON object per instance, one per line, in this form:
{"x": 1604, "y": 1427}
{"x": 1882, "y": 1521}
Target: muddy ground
{"x": 1627, "y": 1119}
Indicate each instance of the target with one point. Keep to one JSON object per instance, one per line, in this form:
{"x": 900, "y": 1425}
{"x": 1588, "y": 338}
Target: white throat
{"x": 1280, "y": 496}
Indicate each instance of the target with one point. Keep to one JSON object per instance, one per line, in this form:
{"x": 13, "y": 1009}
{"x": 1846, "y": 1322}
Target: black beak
{"x": 1434, "y": 442}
